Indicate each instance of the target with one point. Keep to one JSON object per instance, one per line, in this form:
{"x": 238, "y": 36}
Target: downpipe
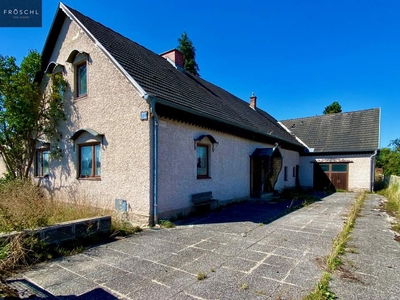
{"x": 154, "y": 216}
{"x": 372, "y": 179}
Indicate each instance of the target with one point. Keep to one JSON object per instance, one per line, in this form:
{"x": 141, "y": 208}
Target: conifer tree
{"x": 189, "y": 54}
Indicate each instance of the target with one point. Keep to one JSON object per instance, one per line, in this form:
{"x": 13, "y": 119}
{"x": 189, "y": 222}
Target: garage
{"x": 329, "y": 176}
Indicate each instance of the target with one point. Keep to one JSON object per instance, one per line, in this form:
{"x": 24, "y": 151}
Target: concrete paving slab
{"x": 372, "y": 269}
{"x": 242, "y": 258}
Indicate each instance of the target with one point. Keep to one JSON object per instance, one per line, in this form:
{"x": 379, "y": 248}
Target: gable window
{"x": 90, "y": 160}
{"x": 202, "y": 155}
{"x": 42, "y": 163}
{"x": 81, "y": 79}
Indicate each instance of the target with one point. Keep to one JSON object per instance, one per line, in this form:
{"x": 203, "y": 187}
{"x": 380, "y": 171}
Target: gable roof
{"x": 154, "y": 75}
{"x": 341, "y": 132}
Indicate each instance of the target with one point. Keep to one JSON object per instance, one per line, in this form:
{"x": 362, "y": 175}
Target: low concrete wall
{"x": 392, "y": 179}
{"x": 62, "y": 232}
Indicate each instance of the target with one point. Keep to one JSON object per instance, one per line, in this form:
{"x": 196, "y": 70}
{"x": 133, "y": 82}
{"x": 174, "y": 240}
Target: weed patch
{"x": 322, "y": 292}
{"x": 392, "y": 194}
{"x": 201, "y": 276}
{"x": 166, "y": 224}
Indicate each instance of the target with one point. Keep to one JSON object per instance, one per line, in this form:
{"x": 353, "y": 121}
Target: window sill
{"x": 203, "y": 177}
{"x": 90, "y": 178}
{"x": 77, "y": 98}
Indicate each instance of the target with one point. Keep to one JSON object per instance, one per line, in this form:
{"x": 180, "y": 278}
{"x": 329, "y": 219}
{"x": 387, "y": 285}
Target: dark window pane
{"x": 324, "y": 167}
{"x": 202, "y": 161}
{"x": 39, "y": 164}
{"x": 86, "y": 161}
{"x": 82, "y": 80}
{"x": 339, "y": 168}
{"x": 98, "y": 160}
{"x": 46, "y": 156}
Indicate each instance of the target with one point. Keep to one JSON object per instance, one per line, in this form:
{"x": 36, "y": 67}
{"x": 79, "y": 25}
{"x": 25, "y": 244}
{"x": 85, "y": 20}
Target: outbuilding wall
{"x": 360, "y": 166}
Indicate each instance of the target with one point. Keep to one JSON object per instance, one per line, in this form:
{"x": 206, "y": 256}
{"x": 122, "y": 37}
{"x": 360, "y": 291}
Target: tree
{"x": 28, "y": 112}
{"x": 189, "y": 54}
{"x": 389, "y": 158}
{"x": 333, "y": 108}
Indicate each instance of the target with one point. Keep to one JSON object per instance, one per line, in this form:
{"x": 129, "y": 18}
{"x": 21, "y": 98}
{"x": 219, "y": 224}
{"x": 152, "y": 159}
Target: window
{"x": 202, "y": 161}
{"x": 89, "y": 161}
{"x": 294, "y": 171}
{"x": 42, "y": 163}
{"x": 285, "y": 174}
{"x": 81, "y": 79}
{"x": 339, "y": 168}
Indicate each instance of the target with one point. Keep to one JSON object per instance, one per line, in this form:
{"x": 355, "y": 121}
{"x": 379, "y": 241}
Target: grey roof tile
{"x": 341, "y": 132}
{"x": 158, "y": 77}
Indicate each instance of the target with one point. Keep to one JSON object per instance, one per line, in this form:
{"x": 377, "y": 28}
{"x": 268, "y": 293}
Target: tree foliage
{"x": 189, "y": 53}
{"x": 333, "y": 108}
{"x": 28, "y": 114}
{"x": 389, "y": 158}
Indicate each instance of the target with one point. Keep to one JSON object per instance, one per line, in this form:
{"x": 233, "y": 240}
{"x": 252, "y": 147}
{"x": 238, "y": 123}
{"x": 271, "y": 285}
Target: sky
{"x": 296, "y": 56}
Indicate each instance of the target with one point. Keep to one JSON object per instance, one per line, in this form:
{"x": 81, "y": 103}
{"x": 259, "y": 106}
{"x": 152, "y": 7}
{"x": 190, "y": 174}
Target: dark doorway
{"x": 265, "y": 166}
{"x": 329, "y": 176}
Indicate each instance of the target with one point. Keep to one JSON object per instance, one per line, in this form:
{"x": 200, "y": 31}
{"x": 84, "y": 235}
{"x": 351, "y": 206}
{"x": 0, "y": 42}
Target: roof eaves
{"x": 209, "y": 116}
{"x": 141, "y": 91}
{"x": 339, "y": 152}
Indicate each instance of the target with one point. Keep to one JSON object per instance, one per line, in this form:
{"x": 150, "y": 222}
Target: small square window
{"x": 202, "y": 154}
{"x": 89, "y": 161}
{"x": 42, "y": 163}
{"x": 81, "y": 80}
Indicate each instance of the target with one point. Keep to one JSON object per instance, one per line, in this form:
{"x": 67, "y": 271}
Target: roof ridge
{"x": 334, "y": 114}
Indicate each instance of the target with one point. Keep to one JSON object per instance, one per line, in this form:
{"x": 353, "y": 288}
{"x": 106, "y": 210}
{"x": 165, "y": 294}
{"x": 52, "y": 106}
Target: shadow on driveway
{"x": 249, "y": 211}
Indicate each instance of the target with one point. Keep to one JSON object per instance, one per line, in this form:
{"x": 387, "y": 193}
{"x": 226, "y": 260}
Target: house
{"x": 142, "y": 135}
{"x": 342, "y": 149}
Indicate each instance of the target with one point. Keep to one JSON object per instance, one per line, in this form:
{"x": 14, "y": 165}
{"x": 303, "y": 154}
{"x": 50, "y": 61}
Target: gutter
{"x": 372, "y": 171}
{"x": 154, "y": 197}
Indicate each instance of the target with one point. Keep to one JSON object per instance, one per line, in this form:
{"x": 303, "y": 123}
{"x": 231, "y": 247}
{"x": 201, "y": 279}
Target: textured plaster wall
{"x": 229, "y": 166}
{"x": 290, "y": 160}
{"x": 359, "y": 170}
{"x": 112, "y": 107}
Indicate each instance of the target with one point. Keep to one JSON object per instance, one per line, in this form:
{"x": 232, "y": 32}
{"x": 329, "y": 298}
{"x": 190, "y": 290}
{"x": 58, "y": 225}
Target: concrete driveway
{"x": 241, "y": 257}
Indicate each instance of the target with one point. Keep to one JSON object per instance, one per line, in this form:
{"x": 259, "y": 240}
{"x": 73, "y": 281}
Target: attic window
{"x": 79, "y": 59}
{"x": 81, "y": 79}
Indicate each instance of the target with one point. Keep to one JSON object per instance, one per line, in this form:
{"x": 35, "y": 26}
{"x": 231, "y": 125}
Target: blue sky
{"x": 297, "y": 56}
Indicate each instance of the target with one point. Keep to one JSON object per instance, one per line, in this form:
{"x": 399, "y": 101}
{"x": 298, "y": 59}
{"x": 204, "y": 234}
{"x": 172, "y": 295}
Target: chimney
{"x": 253, "y": 101}
{"x": 175, "y": 57}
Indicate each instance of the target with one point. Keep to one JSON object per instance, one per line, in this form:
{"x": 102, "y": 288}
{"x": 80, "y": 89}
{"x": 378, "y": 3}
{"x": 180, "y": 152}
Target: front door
{"x": 331, "y": 175}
